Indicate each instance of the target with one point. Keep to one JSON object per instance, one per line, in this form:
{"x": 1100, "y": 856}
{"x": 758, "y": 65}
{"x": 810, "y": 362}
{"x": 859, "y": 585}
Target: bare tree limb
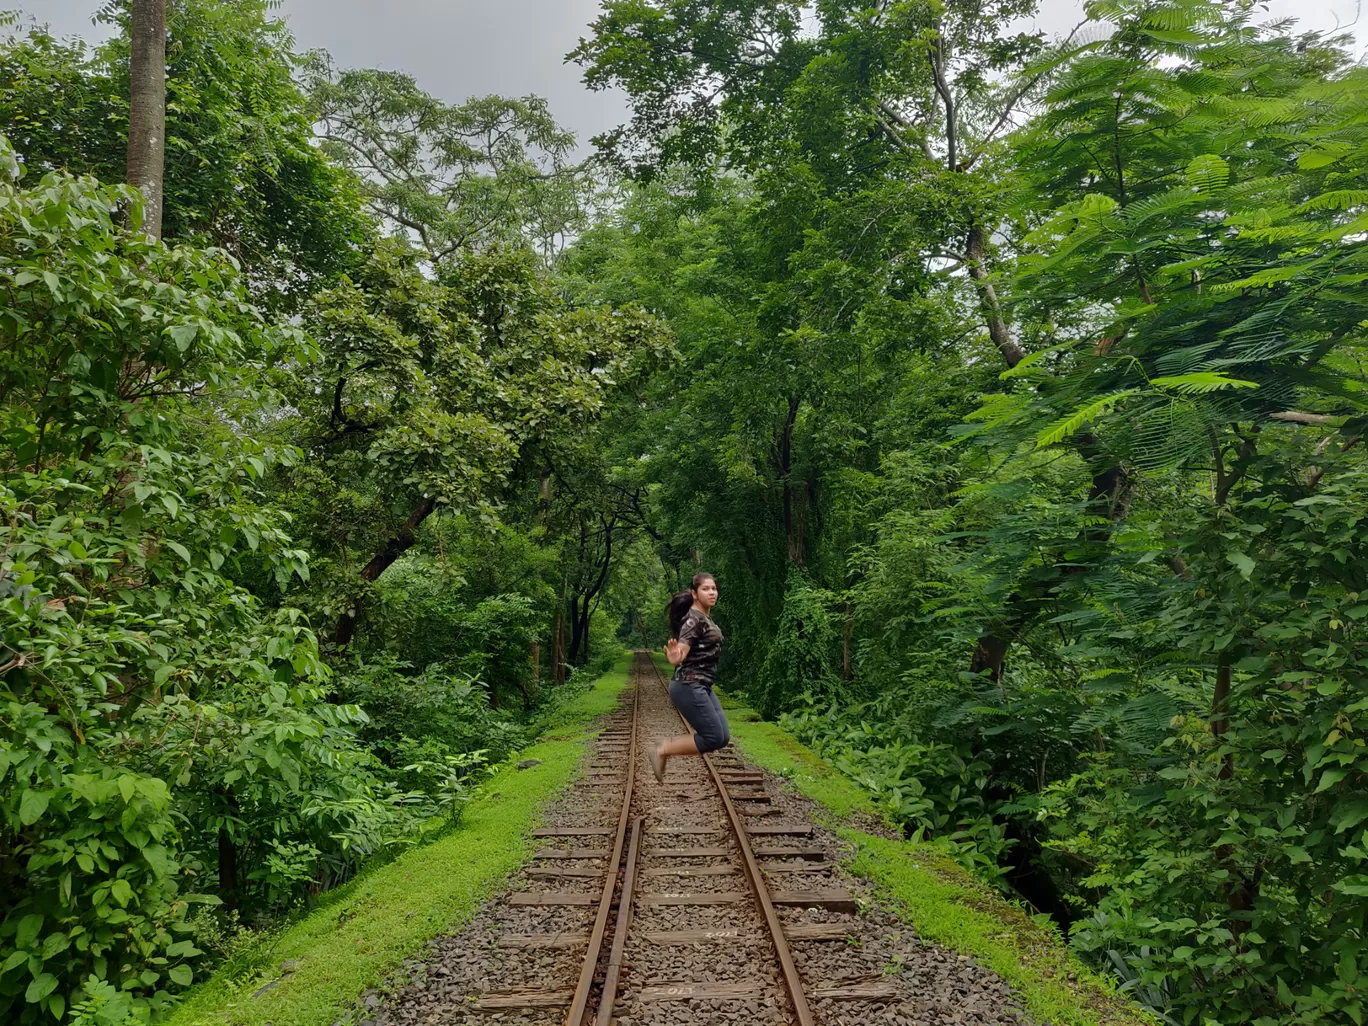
{"x": 1298, "y": 417}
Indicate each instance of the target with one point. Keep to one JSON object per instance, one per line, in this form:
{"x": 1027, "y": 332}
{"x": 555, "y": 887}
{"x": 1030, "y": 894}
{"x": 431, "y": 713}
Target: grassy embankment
{"x": 935, "y": 895}
{"x": 360, "y": 934}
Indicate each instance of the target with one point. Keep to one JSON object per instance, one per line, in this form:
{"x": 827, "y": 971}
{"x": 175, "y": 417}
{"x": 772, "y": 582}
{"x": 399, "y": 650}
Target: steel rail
{"x": 608, "y": 996}
{"x": 580, "y": 1003}
{"x": 792, "y": 981}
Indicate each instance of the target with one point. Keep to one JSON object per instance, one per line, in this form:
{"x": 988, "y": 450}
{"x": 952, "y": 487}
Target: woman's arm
{"x": 676, "y": 651}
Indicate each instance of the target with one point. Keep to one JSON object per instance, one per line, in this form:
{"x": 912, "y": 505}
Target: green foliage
{"x": 1216, "y": 265}
{"x": 242, "y": 172}
{"x": 944, "y": 904}
{"x": 361, "y": 934}
{"x": 141, "y": 688}
{"x": 428, "y": 717}
{"x": 1013, "y": 390}
{"x": 1230, "y": 863}
{"x": 177, "y": 448}
{"x": 936, "y": 791}
{"x": 803, "y": 651}
{"x": 1095, "y": 651}
{"x": 490, "y": 172}
{"x": 432, "y": 393}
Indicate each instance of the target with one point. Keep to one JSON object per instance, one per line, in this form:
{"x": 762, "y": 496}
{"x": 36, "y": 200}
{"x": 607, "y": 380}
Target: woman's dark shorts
{"x": 697, "y": 703}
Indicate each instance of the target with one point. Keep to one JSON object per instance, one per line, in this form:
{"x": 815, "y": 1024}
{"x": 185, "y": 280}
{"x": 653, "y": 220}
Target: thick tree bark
{"x": 147, "y": 109}
{"x": 394, "y": 548}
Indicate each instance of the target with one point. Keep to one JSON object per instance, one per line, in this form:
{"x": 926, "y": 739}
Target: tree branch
{"x": 1298, "y": 417}
{"x": 943, "y": 88}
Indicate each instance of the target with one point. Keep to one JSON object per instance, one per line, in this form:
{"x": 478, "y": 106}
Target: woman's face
{"x": 707, "y": 594}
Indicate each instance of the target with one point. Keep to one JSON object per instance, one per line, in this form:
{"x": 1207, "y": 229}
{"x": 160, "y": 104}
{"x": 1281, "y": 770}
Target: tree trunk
{"x": 147, "y": 109}
{"x": 584, "y": 603}
{"x": 586, "y": 615}
{"x": 998, "y": 330}
{"x": 558, "y": 651}
{"x": 227, "y": 868}
{"x": 1220, "y": 713}
{"x": 1109, "y": 493}
{"x": 793, "y": 516}
{"x": 394, "y": 548}
{"x": 576, "y": 631}
{"x": 558, "y": 641}
{"x": 991, "y": 650}
{"x": 581, "y": 614}
{"x": 532, "y": 686}
{"x": 989, "y": 654}
{"x": 846, "y": 669}
{"x": 1109, "y": 497}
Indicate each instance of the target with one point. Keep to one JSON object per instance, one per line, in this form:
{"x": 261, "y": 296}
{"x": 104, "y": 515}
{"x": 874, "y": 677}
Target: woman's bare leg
{"x": 683, "y": 745}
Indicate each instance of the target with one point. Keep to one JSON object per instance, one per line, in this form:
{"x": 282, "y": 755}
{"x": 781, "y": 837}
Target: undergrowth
{"x": 314, "y": 971}
{"x": 942, "y": 902}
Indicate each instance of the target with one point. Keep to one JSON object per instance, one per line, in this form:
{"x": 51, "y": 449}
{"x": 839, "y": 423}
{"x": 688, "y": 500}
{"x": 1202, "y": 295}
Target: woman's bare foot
{"x": 658, "y": 764}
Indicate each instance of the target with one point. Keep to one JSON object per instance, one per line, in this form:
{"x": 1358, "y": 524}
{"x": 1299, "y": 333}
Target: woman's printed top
{"x": 705, "y": 648}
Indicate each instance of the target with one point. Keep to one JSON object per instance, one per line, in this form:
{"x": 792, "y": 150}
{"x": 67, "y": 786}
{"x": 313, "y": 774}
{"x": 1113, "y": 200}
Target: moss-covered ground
{"x": 935, "y": 895}
{"x": 360, "y": 934}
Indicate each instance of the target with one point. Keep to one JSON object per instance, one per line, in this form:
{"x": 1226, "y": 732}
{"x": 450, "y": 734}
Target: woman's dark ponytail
{"x": 679, "y": 605}
{"x": 677, "y": 609}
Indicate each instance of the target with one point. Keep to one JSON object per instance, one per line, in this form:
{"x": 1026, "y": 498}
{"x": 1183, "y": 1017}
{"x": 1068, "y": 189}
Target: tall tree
{"x": 867, "y": 147}
{"x": 440, "y": 392}
{"x": 492, "y": 171}
{"x": 147, "y": 109}
{"x": 242, "y": 170}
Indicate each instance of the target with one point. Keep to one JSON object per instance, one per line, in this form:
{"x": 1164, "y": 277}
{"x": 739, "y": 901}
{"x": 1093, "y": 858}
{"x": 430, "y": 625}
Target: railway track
{"x": 643, "y": 895}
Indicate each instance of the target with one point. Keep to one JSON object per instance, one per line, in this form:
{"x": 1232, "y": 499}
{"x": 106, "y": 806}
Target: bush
{"x": 162, "y": 736}
{"x": 937, "y": 792}
{"x": 426, "y": 716}
{"x": 803, "y": 651}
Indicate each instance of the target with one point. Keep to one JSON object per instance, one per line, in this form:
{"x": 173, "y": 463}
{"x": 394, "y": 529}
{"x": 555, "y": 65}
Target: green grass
{"x": 768, "y": 746}
{"x": 941, "y": 901}
{"x": 361, "y": 933}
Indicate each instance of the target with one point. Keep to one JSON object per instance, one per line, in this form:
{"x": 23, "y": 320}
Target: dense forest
{"x": 1012, "y": 387}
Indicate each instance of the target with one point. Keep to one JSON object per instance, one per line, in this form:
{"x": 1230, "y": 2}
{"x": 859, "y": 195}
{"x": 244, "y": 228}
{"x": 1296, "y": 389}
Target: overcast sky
{"x": 461, "y": 48}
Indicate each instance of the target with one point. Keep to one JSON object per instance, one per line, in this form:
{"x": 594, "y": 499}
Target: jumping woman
{"x": 694, "y": 648}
